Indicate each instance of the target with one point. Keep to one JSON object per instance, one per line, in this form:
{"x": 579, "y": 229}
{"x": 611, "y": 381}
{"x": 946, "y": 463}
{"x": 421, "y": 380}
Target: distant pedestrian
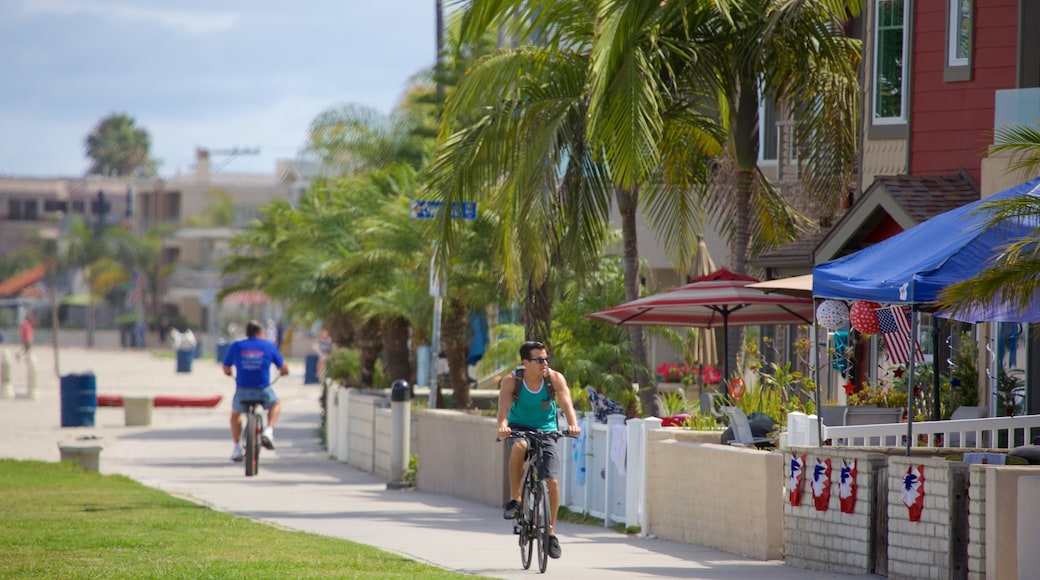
{"x": 27, "y": 333}
{"x": 323, "y": 348}
{"x": 164, "y": 330}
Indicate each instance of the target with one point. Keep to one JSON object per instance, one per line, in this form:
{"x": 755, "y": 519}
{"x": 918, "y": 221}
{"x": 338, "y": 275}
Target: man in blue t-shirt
{"x": 530, "y": 398}
{"x": 252, "y": 358}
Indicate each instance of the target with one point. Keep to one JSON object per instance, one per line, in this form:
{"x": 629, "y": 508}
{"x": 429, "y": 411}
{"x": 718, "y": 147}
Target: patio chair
{"x": 742, "y": 435}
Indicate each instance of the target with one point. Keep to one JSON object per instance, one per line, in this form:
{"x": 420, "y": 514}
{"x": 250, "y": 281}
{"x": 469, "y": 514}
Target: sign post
{"x": 428, "y": 209}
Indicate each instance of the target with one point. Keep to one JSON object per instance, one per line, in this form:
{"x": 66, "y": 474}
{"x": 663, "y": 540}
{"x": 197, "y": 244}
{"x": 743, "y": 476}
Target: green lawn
{"x": 58, "y": 521}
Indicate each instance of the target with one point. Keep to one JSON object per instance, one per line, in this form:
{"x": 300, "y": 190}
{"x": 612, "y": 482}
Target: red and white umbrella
{"x": 246, "y": 298}
{"x": 719, "y": 300}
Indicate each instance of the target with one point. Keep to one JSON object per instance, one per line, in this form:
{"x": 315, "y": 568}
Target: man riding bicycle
{"x": 529, "y": 399}
{"x": 252, "y": 358}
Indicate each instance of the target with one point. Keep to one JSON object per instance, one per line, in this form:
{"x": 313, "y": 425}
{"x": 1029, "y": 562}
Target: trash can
{"x": 198, "y": 349}
{"x": 78, "y": 400}
{"x": 184, "y": 358}
{"x": 222, "y": 348}
{"x": 310, "y": 370}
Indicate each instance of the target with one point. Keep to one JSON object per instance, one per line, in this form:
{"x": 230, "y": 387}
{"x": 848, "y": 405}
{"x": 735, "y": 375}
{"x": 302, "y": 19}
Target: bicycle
{"x": 253, "y": 432}
{"x": 532, "y": 523}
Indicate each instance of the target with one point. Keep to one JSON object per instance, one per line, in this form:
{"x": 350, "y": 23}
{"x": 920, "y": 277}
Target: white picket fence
{"x": 989, "y": 433}
{"x": 614, "y": 484}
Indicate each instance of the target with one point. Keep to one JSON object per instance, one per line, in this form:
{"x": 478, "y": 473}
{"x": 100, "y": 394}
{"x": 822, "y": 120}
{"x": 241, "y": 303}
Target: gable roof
{"x": 896, "y": 201}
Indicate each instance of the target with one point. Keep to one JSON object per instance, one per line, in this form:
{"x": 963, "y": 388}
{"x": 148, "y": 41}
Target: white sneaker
{"x": 267, "y": 438}
{"x": 236, "y": 453}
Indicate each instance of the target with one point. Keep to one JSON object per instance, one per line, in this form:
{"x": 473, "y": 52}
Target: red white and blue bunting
{"x": 821, "y": 484}
{"x": 795, "y": 472}
{"x": 847, "y": 487}
{"x": 913, "y": 491}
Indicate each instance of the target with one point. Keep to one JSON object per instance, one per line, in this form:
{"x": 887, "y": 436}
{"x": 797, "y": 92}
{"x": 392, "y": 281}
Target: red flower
{"x": 711, "y": 375}
{"x": 673, "y": 373}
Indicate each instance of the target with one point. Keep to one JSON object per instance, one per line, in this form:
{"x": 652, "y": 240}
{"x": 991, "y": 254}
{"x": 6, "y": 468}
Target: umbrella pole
{"x": 725, "y": 352}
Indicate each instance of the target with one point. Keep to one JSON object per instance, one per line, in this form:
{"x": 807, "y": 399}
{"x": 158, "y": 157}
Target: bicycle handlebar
{"x": 520, "y": 432}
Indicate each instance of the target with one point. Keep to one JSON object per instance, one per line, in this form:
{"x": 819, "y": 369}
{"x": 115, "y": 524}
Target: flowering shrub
{"x": 711, "y": 375}
{"x": 686, "y": 374}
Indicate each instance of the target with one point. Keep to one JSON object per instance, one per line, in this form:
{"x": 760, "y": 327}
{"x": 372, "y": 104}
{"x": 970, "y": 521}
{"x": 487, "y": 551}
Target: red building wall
{"x": 951, "y": 123}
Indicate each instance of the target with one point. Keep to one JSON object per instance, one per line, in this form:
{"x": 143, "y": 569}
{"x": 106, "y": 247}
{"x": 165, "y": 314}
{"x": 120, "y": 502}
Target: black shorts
{"x": 549, "y": 466}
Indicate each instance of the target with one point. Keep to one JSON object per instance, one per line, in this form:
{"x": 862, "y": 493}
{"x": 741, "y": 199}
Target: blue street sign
{"x": 424, "y": 209}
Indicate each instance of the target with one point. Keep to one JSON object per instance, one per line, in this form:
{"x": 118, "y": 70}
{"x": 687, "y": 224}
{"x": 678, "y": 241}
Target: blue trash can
{"x": 78, "y": 400}
{"x": 222, "y": 348}
{"x": 184, "y": 358}
{"x": 310, "y": 369}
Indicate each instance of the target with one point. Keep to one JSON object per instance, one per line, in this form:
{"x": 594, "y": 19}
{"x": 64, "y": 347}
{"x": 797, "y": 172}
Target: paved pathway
{"x": 185, "y": 452}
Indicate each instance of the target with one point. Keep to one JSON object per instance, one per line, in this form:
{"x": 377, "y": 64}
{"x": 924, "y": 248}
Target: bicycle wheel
{"x": 252, "y": 444}
{"x": 541, "y": 524}
{"x": 523, "y": 523}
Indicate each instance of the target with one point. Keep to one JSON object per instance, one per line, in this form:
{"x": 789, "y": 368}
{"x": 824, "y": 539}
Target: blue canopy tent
{"x": 913, "y": 266}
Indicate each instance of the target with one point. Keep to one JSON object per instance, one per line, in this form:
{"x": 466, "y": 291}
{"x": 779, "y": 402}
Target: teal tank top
{"x": 534, "y": 410}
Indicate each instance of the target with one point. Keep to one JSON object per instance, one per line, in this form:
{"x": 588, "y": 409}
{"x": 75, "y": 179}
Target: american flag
{"x": 894, "y": 326}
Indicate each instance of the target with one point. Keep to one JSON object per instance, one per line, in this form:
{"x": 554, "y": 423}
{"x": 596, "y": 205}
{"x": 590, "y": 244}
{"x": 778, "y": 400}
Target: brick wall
{"x": 977, "y": 523}
{"x": 831, "y": 540}
{"x": 935, "y": 547}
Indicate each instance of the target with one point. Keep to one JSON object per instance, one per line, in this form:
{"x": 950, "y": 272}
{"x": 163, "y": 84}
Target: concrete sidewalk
{"x": 185, "y": 452}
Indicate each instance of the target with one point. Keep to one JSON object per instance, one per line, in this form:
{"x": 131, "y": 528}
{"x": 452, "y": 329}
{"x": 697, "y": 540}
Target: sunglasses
{"x": 539, "y": 360}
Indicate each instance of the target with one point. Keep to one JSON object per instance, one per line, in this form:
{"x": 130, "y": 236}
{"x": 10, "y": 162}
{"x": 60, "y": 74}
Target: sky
{"x": 193, "y": 73}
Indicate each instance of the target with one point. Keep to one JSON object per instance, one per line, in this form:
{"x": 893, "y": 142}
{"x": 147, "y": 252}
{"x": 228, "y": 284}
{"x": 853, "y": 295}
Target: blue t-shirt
{"x": 252, "y": 359}
{"x": 533, "y": 409}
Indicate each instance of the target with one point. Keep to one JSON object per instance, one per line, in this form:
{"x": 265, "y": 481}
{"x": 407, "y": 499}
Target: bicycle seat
{"x": 248, "y": 402}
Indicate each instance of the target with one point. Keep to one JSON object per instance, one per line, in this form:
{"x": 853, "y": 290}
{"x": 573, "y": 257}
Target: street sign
{"x": 424, "y": 209}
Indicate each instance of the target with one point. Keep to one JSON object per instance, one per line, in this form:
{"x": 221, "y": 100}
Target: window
{"x": 959, "y": 26}
{"x": 767, "y": 130}
{"x": 889, "y": 102}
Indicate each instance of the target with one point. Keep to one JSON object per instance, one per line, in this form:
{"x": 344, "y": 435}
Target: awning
{"x": 14, "y": 285}
{"x": 798, "y": 286}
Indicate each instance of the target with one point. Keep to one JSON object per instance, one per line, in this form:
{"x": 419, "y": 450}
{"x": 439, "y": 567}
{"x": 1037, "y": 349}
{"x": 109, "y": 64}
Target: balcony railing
{"x": 1016, "y": 107}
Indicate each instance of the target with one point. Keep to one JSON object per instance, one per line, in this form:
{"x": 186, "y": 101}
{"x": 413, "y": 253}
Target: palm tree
{"x": 1013, "y": 277}
{"x": 727, "y": 59}
{"x": 117, "y": 147}
{"x": 517, "y": 130}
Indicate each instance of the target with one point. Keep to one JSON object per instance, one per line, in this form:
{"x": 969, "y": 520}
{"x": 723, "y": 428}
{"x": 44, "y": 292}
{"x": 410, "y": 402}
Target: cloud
{"x": 195, "y": 22}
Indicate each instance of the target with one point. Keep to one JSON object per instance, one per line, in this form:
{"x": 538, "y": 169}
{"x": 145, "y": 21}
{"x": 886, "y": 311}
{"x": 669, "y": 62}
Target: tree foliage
{"x": 118, "y": 147}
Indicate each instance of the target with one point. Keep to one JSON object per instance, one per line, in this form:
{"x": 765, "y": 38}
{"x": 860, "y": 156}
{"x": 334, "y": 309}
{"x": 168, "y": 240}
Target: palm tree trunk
{"x": 369, "y": 342}
{"x": 91, "y": 322}
{"x": 395, "y": 350}
{"x": 628, "y": 203}
{"x": 53, "y": 283}
{"x": 538, "y": 312}
{"x": 745, "y": 150}
{"x": 456, "y": 350}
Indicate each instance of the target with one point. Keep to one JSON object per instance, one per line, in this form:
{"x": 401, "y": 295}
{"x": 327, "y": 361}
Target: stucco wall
{"x": 716, "y": 495}
{"x": 1002, "y": 519}
{"x": 459, "y": 457}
